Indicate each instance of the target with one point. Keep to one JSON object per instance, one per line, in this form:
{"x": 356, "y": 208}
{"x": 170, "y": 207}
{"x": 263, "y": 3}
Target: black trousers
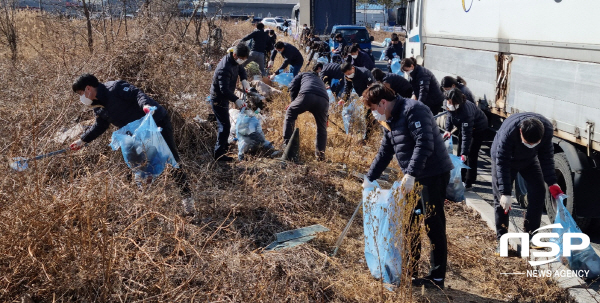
{"x": 470, "y": 175}
{"x": 221, "y": 110}
{"x": 178, "y": 174}
{"x": 536, "y": 194}
{"x": 316, "y": 105}
{"x": 434, "y": 195}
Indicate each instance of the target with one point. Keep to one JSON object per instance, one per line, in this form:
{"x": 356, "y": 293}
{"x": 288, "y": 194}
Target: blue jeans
{"x": 295, "y": 69}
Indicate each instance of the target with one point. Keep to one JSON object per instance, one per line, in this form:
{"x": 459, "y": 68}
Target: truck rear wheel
{"x": 564, "y": 176}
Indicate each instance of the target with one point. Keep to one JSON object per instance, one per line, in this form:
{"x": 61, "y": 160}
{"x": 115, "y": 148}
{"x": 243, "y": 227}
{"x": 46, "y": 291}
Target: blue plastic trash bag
{"x": 386, "y": 42}
{"x": 331, "y": 97}
{"x": 323, "y": 60}
{"x": 383, "y": 239}
{"x": 249, "y": 134}
{"x": 353, "y": 115}
{"x": 455, "y": 191}
{"x": 144, "y": 148}
{"x": 382, "y": 57}
{"x": 585, "y": 259}
{"x": 396, "y": 67}
{"x": 284, "y": 79}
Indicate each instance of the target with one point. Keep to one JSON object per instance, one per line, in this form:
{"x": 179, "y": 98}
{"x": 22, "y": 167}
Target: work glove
{"x": 463, "y": 158}
{"x": 555, "y": 191}
{"x": 389, "y": 61}
{"x": 246, "y": 85}
{"x": 447, "y": 135}
{"x": 240, "y": 103}
{"x": 367, "y": 185}
{"x": 146, "y": 109}
{"x": 506, "y": 203}
{"x": 270, "y": 64}
{"x": 408, "y": 182}
{"x": 77, "y": 145}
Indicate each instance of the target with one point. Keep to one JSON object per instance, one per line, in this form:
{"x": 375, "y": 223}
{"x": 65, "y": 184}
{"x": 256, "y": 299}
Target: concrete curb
{"x": 576, "y": 286}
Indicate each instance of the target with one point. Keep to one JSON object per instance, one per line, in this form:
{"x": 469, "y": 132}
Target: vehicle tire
{"x": 564, "y": 176}
{"x": 520, "y": 187}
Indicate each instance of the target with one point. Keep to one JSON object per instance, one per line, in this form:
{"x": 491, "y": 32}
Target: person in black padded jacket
{"x": 425, "y": 86}
{"x": 412, "y": 135}
{"x": 523, "y": 145}
{"x": 472, "y": 123}
{"x": 449, "y": 83}
{"x": 308, "y": 94}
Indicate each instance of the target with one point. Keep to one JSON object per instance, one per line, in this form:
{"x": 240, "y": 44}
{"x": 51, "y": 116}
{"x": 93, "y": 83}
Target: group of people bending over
{"x": 405, "y": 109}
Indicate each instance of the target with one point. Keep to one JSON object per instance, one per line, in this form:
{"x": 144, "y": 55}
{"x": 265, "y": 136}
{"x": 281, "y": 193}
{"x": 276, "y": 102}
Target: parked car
{"x": 276, "y": 23}
{"x": 353, "y": 34}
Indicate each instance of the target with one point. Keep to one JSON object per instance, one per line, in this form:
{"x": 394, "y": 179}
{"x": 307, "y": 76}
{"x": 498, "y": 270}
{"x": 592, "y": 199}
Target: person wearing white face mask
{"x": 224, "y": 82}
{"x": 412, "y": 135}
{"x": 359, "y": 58}
{"x": 523, "y": 145}
{"x": 425, "y": 86}
{"x": 472, "y": 123}
{"x": 120, "y": 103}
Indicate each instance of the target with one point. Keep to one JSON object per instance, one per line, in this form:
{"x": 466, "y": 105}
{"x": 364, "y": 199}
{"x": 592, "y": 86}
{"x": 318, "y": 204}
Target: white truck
{"x": 538, "y": 56}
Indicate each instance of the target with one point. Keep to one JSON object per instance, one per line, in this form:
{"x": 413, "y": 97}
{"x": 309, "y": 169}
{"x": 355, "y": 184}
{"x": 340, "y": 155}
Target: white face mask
{"x": 240, "y": 61}
{"x": 354, "y": 56}
{"x": 452, "y": 107}
{"x": 85, "y": 100}
{"x": 530, "y": 145}
{"x": 379, "y": 116}
{"x": 351, "y": 75}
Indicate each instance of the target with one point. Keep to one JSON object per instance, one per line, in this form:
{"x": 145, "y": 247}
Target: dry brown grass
{"x": 75, "y": 228}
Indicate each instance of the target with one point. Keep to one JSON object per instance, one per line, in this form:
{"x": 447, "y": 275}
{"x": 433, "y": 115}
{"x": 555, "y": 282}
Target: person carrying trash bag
{"x": 421, "y": 153}
{"x": 308, "y": 94}
{"x": 332, "y": 75}
{"x": 291, "y": 56}
{"x": 358, "y": 78}
{"x": 472, "y": 123}
{"x": 412, "y": 135}
{"x": 425, "y": 85}
{"x": 393, "y": 48}
{"x": 399, "y": 84}
{"x": 449, "y": 83}
{"x": 229, "y": 69}
{"x": 257, "y": 53}
{"x": 120, "y": 103}
{"x": 359, "y": 58}
{"x": 523, "y": 145}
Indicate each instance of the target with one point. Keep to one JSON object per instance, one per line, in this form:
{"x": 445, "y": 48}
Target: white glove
{"x": 270, "y": 64}
{"x": 408, "y": 182}
{"x": 272, "y": 77}
{"x": 506, "y": 203}
{"x": 246, "y": 85}
{"x": 77, "y": 145}
{"x": 368, "y": 184}
{"x": 240, "y": 103}
{"x": 389, "y": 61}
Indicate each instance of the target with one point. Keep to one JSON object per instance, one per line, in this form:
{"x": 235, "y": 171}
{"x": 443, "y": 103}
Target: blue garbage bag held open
{"x": 455, "y": 191}
{"x": 585, "y": 259}
{"x": 383, "y": 239}
{"x": 144, "y": 148}
{"x": 386, "y": 42}
{"x": 353, "y": 115}
{"x": 249, "y": 133}
{"x": 323, "y": 60}
{"x": 331, "y": 97}
{"x": 396, "y": 67}
{"x": 284, "y": 79}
